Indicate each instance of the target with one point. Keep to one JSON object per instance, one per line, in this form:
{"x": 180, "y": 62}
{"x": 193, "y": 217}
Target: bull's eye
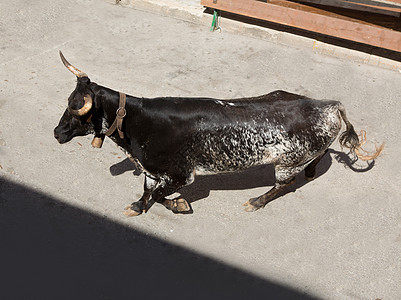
{"x": 83, "y": 120}
{"x": 76, "y": 118}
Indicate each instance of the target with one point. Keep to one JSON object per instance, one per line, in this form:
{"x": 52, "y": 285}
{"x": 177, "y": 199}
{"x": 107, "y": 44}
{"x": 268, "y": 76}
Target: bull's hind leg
{"x": 285, "y": 176}
{"x": 310, "y": 170}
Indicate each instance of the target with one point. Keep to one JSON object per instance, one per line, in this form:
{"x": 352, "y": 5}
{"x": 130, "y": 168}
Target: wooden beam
{"x": 389, "y": 1}
{"x": 357, "y": 5}
{"x": 311, "y": 19}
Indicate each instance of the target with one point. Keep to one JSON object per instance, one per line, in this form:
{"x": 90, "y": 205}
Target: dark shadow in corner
{"x": 389, "y": 54}
{"x": 51, "y": 250}
{"x": 261, "y": 176}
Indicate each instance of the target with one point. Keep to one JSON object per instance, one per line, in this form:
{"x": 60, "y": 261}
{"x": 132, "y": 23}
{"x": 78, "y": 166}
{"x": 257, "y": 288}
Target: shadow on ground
{"x": 50, "y": 250}
{"x": 260, "y": 176}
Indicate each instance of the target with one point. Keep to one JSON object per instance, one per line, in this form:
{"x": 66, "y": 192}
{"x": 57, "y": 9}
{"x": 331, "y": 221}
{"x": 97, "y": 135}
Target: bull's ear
{"x": 70, "y": 67}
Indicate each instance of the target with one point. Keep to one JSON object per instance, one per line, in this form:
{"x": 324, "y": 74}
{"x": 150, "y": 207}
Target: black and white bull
{"x": 174, "y": 139}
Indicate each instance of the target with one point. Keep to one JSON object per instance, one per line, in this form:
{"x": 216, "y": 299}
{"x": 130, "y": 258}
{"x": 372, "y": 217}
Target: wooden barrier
{"x": 373, "y": 22}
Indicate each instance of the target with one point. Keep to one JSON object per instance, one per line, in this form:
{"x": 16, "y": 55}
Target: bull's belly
{"x": 225, "y": 155}
{"x": 227, "y": 164}
{"x": 211, "y": 169}
{"x": 226, "y": 158}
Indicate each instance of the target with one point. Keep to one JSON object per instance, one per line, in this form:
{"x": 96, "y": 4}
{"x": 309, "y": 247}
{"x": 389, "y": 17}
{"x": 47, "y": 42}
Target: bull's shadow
{"x": 261, "y": 176}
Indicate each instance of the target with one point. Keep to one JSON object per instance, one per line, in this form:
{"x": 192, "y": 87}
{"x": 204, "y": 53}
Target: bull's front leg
{"x": 156, "y": 190}
{"x": 169, "y": 186}
{"x": 146, "y": 201}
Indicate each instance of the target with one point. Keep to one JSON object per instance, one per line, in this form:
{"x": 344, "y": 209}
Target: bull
{"x": 173, "y": 139}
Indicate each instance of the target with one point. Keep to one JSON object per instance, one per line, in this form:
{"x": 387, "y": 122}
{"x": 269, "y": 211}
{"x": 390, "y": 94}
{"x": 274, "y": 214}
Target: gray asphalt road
{"x": 61, "y": 223}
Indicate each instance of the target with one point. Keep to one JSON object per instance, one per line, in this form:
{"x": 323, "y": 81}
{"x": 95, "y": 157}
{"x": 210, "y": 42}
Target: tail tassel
{"x": 368, "y": 155}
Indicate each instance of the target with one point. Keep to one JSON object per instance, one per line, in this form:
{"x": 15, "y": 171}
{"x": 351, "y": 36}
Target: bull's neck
{"x": 110, "y": 103}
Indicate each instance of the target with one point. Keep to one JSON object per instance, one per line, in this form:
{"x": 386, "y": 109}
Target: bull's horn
{"x": 74, "y": 70}
{"x": 84, "y": 109}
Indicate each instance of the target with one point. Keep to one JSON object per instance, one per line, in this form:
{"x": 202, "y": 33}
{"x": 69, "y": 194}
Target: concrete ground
{"x": 62, "y": 231}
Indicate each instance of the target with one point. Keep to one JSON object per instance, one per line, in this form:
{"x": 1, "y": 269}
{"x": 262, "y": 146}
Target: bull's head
{"x": 77, "y": 118}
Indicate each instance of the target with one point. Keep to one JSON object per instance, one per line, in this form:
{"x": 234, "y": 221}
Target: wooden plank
{"x": 387, "y": 1}
{"x": 350, "y": 4}
{"x": 311, "y": 19}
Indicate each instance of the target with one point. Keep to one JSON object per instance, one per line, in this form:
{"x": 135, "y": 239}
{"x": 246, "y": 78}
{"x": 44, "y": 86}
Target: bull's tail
{"x": 350, "y": 140}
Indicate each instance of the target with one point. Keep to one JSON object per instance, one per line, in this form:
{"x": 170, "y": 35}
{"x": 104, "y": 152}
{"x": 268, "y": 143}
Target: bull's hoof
{"x": 132, "y": 210}
{"x": 310, "y": 178}
{"x": 252, "y": 205}
{"x": 178, "y": 206}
